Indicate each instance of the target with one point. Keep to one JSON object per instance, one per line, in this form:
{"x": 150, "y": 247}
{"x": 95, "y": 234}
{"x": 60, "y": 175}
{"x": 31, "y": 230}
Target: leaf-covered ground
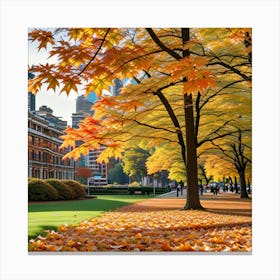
{"x": 148, "y": 226}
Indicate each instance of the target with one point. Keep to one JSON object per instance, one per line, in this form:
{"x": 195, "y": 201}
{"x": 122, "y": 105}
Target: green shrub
{"x": 146, "y": 190}
{"x": 64, "y": 192}
{"x": 78, "y": 189}
{"x": 41, "y": 190}
{"x": 134, "y": 184}
{"x": 107, "y": 190}
{"x": 32, "y": 178}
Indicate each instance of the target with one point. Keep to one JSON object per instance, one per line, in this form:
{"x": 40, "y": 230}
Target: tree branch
{"x": 96, "y": 53}
{"x": 245, "y": 77}
{"x": 218, "y": 91}
{"x": 151, "y": 126}
{"x": 161, "y": 45}
{"x": 215, "y": 138}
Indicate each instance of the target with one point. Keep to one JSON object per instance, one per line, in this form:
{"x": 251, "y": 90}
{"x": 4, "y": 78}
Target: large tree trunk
{"x": 193, "y": 201}
{"x": 243, "y": 191}
{"x": 188, "y": 151}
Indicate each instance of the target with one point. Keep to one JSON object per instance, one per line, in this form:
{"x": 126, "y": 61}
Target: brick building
{"x": 44, "y": 156}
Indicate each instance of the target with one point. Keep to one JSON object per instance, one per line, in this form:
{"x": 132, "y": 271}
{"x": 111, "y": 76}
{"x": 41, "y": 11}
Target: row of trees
{"x": 190, "y": 101}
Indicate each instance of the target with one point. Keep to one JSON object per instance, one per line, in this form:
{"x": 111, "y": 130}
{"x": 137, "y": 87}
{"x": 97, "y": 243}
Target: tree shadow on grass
{"x": 42, "y": 231}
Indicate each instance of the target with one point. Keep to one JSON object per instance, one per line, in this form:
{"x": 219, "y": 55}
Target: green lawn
{"x": 49, "y": 215}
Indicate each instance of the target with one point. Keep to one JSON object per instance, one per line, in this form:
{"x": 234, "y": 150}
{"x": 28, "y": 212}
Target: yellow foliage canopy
{"x": 217, "y": 73}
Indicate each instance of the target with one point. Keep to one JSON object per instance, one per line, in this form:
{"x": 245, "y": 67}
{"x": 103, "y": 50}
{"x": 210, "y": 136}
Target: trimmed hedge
{"x": 41, "y": 190}
{"x": 54, "y": 189}
{"x": 32, "y": 178}
{"x": 64, "y": 192}
{"x": 105, "y": 190}
{"x": 126, "y": 190}
{"x": 146, "y": 190}
{"x": 78, "y": 189}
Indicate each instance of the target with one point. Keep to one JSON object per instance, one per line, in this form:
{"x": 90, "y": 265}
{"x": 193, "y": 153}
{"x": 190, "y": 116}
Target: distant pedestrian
{"x": 201, "y": 189}
{"x": 177, "y": 188}
{"x": 181, "y": 186}
{"x": 216, "y": 190}
{"x": 168, "y": 188}
{"x": 249, "y": 189}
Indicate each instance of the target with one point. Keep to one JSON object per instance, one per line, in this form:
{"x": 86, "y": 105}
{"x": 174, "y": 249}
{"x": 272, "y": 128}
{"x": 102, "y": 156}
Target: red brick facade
{"x": 44, "y": 156}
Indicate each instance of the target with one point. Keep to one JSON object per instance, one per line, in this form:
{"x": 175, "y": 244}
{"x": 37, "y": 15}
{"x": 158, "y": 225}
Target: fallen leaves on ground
{"x": 166, "y": 230}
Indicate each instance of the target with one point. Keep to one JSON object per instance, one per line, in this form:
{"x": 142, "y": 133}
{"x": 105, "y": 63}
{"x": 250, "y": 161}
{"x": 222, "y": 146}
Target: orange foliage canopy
{"x": 89, "y": 59}
{"x": 95, "y": 57}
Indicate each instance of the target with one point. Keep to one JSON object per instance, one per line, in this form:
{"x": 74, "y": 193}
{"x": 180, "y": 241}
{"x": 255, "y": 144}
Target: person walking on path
{"x": 177, "y": 188}
{"x": 200, "y": 189}
{"x": 181, "y": 186}
{"x": 216, "y": 189}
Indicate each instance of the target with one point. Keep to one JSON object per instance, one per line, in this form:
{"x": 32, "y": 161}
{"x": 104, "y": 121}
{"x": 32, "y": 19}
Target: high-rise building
{"x": 83, "y": 105}
{"x": 31, "y": 96}
{"x": 100, "y": 172}
{"x": 31, "y": 102}
{"x": 77, "y": 118}
{"x": 83, "y": 108}
{"x": 116, "y": 88}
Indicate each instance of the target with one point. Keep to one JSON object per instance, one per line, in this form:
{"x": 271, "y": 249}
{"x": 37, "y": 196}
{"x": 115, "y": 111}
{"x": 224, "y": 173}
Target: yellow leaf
{"x": 34, "y": 85}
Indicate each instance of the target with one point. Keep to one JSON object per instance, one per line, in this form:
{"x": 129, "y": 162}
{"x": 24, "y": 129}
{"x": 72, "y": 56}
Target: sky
{"x": 61, "y": 104}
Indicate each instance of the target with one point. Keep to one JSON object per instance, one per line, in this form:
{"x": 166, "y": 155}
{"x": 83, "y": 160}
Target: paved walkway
{"x": 223, "y": 203}
{"x": 205, "y": 195}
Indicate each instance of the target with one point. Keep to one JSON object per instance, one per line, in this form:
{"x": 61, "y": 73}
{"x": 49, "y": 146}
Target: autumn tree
{"x": 217, "y": 109}
{"x": 134, "y": 163}
{"x": 116, "y": 174}
{"x": 84, "y": 173}
{"x": 164, "y": 62}
{"x": 235, "y": 154}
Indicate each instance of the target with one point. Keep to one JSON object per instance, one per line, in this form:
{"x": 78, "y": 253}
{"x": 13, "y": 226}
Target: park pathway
{"x": 223, "y": 203}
